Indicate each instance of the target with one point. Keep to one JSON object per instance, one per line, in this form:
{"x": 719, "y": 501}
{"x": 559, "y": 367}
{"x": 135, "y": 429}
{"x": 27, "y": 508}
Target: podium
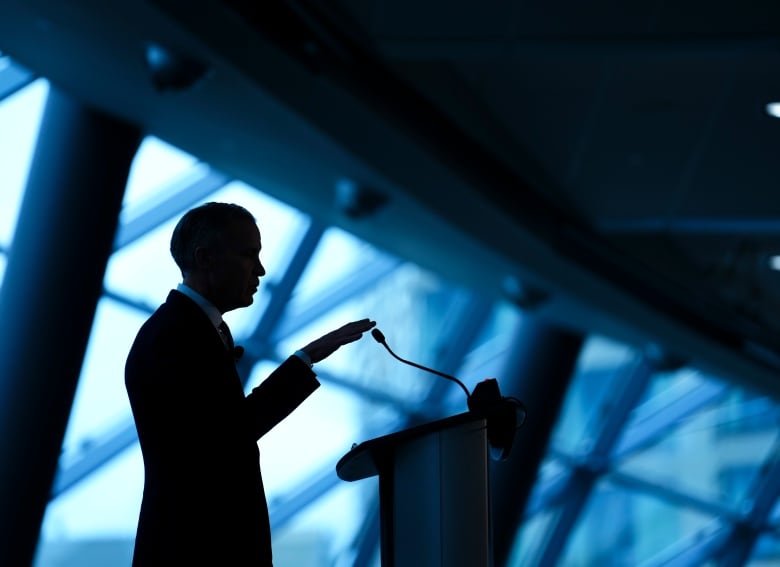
{"x": 434, "y": 495}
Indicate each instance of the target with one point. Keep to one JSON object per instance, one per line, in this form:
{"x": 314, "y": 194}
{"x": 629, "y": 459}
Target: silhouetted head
{"x": 217, "y": 248}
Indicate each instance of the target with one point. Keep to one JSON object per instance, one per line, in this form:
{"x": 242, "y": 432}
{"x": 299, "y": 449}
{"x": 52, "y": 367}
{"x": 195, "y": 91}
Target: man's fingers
{"x": 356, "y": 328}
{"x": 329, "y": 343}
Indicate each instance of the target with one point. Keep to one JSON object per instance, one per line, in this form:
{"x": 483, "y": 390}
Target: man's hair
{"x": 203, "y": 226}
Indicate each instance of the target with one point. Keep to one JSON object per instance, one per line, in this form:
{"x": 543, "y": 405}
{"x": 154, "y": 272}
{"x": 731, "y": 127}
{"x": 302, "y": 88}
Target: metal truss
{"x": 731, "y": 538}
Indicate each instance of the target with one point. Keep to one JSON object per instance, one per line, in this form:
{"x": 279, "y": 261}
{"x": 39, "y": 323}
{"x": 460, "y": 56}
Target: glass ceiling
{"x": 646, "y": 466}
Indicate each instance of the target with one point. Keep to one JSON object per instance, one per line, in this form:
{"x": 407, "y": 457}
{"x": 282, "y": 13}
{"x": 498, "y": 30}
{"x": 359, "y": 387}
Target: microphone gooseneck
{"x": 380, "y": 338}
{"x": 504, "y": 415}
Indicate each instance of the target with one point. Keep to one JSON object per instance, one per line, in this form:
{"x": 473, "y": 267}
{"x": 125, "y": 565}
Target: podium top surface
{"x": 366, "y": 459}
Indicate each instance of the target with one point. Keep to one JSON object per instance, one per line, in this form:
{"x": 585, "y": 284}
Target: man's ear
{"x": 203, "y": 257}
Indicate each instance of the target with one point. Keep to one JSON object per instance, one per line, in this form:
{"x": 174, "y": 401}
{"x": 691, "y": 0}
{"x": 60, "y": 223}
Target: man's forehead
{"x": 245, "y": 231}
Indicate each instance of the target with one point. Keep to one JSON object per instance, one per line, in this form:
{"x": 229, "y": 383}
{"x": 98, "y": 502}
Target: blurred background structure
{"x": 579, "y": 199}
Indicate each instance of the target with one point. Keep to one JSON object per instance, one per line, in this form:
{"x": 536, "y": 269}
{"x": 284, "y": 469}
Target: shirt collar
{"x": 209, "y": 308}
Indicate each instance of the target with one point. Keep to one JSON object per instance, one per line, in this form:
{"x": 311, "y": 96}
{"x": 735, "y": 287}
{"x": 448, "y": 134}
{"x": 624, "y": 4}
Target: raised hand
{"x": 329, "y": 343}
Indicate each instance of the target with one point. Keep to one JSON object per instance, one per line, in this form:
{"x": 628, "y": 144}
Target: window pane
{"x": 596, "y": 379}
{"x": 699, "y": 454}
{"x": 156, "y": 165}
{"x": 646, "y": 526}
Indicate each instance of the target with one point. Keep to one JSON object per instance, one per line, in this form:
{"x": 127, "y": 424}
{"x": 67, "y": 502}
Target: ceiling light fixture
{"x": 773, "y": 109}
{"x": 357, "y": 200}
{"x": 522, "y": 293}
{"x": 774, "y": 262}
{"x": 171, "y": 70}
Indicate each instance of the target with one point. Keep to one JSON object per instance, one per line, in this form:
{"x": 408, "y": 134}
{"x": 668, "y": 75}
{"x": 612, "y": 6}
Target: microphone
{"x": 380, "y": 338}
{"x": 504, "y": 414}
{"x": 238, "y": 352}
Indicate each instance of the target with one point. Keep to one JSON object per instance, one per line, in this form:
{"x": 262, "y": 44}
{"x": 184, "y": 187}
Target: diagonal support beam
{"x": 13, "y": 77}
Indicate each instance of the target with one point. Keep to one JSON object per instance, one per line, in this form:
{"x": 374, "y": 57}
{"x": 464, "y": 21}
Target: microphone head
{"x": 238, "y": 352}
{"x": 378, "y": 336}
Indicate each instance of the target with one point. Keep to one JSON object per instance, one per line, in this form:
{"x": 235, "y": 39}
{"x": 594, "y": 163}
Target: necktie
{"x": 227, "y": 338}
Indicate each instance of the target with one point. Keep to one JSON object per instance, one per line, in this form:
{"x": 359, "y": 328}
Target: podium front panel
{"x": 435, "y": 500}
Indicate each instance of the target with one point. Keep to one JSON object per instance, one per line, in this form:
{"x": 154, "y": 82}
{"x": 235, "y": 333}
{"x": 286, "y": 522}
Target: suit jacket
{"x": 203, "y": 500}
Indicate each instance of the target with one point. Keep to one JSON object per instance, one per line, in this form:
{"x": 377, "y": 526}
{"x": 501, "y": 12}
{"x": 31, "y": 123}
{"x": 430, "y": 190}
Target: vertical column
{"x": 538, "y": 373}
{"x": 48, "y": 298}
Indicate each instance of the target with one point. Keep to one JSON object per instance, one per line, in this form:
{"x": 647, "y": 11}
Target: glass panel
{"x": 550, "y": 479}
{"x": 315, "y": 436}
{"x": 531, "y": 537}
{"x": 20, "y": 117}
{"x": 156, "y": 165}
{"x": 594, "y": 382}
{"x": 766, "y": 552}
{"x": 646, "y": 525}
{"x": 338, "y": 254}
{"x": 101, "y": 399}
{"x": 700, "y": 454}
{"x": 323, "y": 532}
{"x": 144, "y": 271}
{"x": 486, "y": 359}
{"x": 94, "y": 522}
{"x": 400, "y": 302}
{"x": 774, "y": 516}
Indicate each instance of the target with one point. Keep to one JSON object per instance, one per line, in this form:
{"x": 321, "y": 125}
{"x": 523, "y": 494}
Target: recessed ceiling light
{"x": 773, "y": 109}
{"x": 774, "y": 262}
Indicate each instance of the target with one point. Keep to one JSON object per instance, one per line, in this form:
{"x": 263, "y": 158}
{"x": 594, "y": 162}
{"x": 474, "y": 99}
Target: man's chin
{"x": 244, "y": 302}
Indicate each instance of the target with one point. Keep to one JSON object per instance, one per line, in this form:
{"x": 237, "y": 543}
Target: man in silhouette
{"x": 203, "y": 500}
